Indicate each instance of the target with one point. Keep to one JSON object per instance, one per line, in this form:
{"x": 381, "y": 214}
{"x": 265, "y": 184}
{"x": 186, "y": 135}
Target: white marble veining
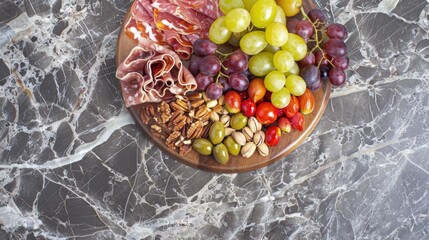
{"x": 74, "y": 165}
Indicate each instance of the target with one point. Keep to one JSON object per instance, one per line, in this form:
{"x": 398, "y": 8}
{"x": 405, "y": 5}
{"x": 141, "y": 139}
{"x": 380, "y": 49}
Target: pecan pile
{"x": 181, "y": 120}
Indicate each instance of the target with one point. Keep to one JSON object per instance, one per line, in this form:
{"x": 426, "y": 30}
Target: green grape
{"x": 248, "y": 4}
{"x": 271, "y": 49}
{"x": 261, "y": 64}
{"x": 276, "y": 34}
{"x": 253, "y": 42}
{"x": 280, "y": 16}
{"x": 274, "y": 81}
{"x": 296, "y": 85}
{"x": 283, "y": 60}
{"x": 218, "y": 33}
{"x": 294, "y": 70}
{"x": 227, "y": 5}
{"x": 281, "y": 98}
{"x": 296, "y": 45}
{"x": 237, "y": 20}
{"x": 263, "y": 13}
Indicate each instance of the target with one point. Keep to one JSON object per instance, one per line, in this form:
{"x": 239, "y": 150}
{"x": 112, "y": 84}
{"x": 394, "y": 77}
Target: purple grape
{"x": 238, "y": 61}
{"x": 315, "y": 85}
{"x": 335, "y": 48}
{"x": 291, "y": 25}
{"x": 214, "y": 91}
{"x": 337, "y": 77}
{"x": 304, "y": 29}
{"x": 226, "y": 69}
{"x": 204, "y": 47}
{"x": 194, "y": 64}
{"x": 317, "y": 15}
{"x": 336, "y": 30}
{"x": 224, "y": 82}
{"x": 341, "y": 63}
{"x": 209, "y": 65}
{"x": 238, "y": 81}
{"x": 248, "y": 74}
{"x": 324, "y": 70}
{"x": 203, "y": 81}
{"x": 321, "y": 58}
{"x": 310, "y": 74}
{"x": 310, "y": 59}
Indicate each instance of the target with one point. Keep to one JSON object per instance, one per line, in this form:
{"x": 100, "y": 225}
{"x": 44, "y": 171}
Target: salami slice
{"x": 151, "y": 72}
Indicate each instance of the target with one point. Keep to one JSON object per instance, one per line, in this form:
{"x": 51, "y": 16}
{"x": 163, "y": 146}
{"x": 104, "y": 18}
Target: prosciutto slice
{"x": 175, "y": 24}
{"x": 152, "y": 72}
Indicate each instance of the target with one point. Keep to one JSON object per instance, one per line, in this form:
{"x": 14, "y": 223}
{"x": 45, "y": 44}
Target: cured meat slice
{"x": 152, "y": 72}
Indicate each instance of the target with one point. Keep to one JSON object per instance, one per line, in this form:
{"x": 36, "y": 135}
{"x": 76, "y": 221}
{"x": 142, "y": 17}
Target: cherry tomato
{"x": 306, "y": 102}
{"x": 292, "y": 108}
{"x": 233, "y": 102}
{"x": 248, "y": 107}
{"x": 256, "y": 89}
{"x": 298, "y": 121}
{"x": 266, "y": 113}
{"x": 272, "y": 136}
{"x": 280, "y": 112}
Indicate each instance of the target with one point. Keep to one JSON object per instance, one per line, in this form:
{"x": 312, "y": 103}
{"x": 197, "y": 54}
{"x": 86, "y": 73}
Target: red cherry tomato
{"x": 298, "y": 121}
{"x": 292, "y": 108}
{"x": 248, "y": 107}
{"x": 272, "y": 136}
{"x": 233, "y": 102}
{"x": 266, "y": 113}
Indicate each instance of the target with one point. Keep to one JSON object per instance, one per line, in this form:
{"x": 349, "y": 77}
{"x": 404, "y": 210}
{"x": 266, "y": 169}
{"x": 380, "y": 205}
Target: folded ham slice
{"x": 175, "y": 24}
{"x": 151, "y": 73}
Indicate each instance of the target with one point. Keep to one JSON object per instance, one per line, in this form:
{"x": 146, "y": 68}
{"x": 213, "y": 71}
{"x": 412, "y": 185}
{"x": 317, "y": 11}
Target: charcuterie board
{"x": 236, "y": 164}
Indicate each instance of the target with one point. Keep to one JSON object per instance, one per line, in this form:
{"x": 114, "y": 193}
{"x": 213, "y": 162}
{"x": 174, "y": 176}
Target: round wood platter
{"x": 236, "y": 164}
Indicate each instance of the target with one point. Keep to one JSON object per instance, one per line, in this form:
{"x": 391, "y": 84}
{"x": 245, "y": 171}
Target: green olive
{"x": 202, "y": 146}
{"x": 238, "y": 121}
{"x": 220, "y": 153}
{"x": 232, "y": 146}
{"x": 217, "y": 133}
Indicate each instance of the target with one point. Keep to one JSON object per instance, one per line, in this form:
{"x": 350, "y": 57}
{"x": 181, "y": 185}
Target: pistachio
{"x": 248, "y": 149}
{"x": 253, "y": 124}
{"x": 239, "y": 138}
{"x": 259, "y": 138}
{"x": 247, "y": 133}
{"x": 225, "y": 120}
{"x": 263, "y": 150}
{"x": 214, "y": 117}
{"x": 229, "y": 131}
{"x": 211, "y": 103}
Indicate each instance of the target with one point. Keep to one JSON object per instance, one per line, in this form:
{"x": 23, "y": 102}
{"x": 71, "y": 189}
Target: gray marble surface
{"x": 74, "y": 165}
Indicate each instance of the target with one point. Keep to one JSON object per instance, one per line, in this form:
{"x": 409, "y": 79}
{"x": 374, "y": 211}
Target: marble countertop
{"x": 74, "y": 165}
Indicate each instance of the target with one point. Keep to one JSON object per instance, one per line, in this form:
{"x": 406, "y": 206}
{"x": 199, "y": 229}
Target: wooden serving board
{"x": 236, "y": 164}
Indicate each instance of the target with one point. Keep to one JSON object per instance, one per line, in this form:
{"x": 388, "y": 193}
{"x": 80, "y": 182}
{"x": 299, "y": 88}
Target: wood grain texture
{"x": 236, "y": 164}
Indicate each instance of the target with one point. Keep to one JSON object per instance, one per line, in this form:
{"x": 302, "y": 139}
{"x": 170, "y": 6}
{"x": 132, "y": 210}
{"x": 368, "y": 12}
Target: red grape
{"x": 310, "y": 74}
{"x": 224, "y": 82}
{"x": 310, "y": 59}
{"x": 317, "y": 15}
{"x": 238, "y": 61}
{"x": 335, "y": 48}
{"x": 337, "y": 77}
{"x": 304, "y": 29}
{"x": 194, "y": 64}
{"x": 204, "y": 47}
{"x": 336, "y": 30}
{"x": 342, "y": 62}
{"x": 291, "y": 25}
{"x": 315, "y": 85}
{"x": 209, "y": 65}
{"x": 238, "y": 81}
{"x": 214, "y": 91}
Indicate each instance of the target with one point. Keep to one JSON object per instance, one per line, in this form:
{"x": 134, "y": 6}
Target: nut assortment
{"x": 181, "y": 120}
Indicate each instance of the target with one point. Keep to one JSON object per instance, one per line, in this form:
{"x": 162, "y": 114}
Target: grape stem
{"x": 317, "y": 46}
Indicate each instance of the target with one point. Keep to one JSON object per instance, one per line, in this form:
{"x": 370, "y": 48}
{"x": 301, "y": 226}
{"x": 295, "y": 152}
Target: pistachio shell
{"x": 225, "y": 120}
{"x": 248, "y": 149}
{"x": 247, "y": 133}
{"x": 239, "y": 138}
{"x": 214, "y": 117}
{"x": 259, "y": 138}
{"x": 252, "y": 123}
{"x": 229, "y": 131}
{"x": 263, "y": 150}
